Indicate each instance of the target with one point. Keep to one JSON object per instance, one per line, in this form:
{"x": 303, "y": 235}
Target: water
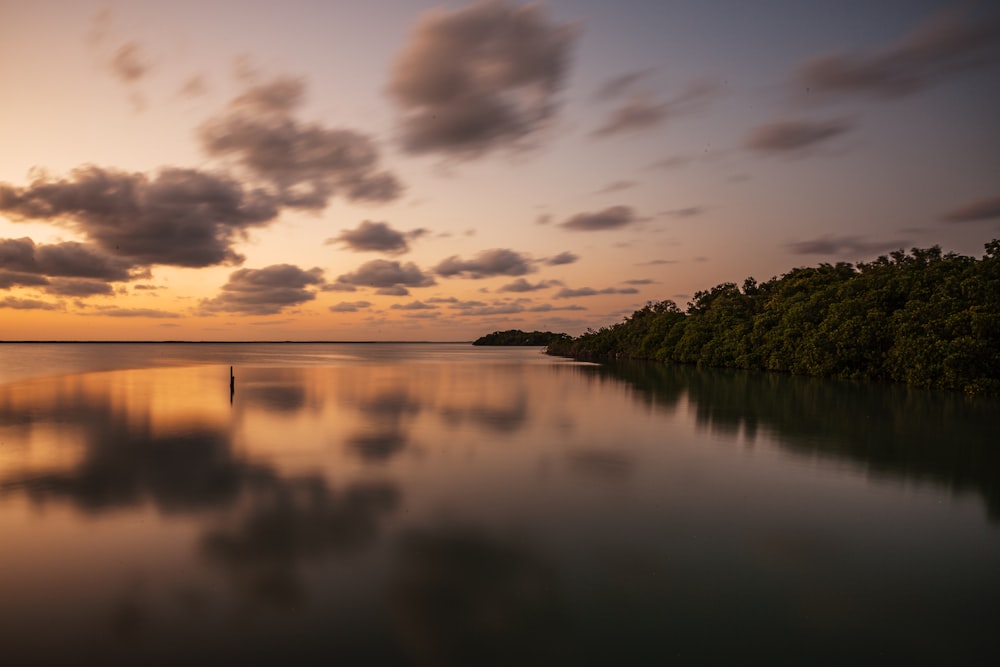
{"x": 445, "y": 504}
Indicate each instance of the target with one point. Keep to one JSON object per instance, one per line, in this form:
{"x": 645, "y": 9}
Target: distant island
{"x": 925, "y": 319}
{"x": 518, "y": 337}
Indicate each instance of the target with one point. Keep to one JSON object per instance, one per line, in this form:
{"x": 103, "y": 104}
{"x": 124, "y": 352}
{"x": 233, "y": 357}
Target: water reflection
{"x": 446, "y": 512}
{"x": 889, "y": 431}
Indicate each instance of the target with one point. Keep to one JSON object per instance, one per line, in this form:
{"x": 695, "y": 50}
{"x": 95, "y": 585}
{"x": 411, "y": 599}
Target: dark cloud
{"x": 562, "y": 258}
{"x": 795, "y": 136}
{"x": 935, "y": 51}
{"x": 68, "y": 260}
{"x": 129, "y": 63}
{"x": 79, "y": 287}
{"x": 640, "y": 281}
{"x": 522, "y": 285}
{"x": 387, "y": 275}
{"x": 571, "y": 293}
{"x": 617, "y": 86}
{"x": 265, "y": 291}
{"x": 479, "y": 78}
{"x": 843, "y": 245}
{"x": 982, "y": 209}
{"x": 643, "y": 111}
{"x": 377, "y": 237}
{"x": 393, "y": 290}
{"x": 28, "y": 304}
{"x": 615, "y": 217}
{"x": 305, "y": 163}
{"x": 10, "y": 279}
{"x": 617, "y": 186}
{"x": 349, "y": 306}
{"x": 494, "y": 262}
{"x": 179, "y": 217}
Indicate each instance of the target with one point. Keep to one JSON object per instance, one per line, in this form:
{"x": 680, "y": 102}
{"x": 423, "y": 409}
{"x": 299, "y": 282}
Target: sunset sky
{"x": 409, "y": 170}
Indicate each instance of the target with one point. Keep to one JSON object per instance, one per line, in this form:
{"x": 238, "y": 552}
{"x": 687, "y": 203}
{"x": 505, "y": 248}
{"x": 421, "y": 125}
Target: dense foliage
{"x": 518, "y": 337}
{"x": 925, "y": 318}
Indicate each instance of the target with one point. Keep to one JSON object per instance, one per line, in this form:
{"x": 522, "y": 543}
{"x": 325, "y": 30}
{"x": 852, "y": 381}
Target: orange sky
{"x": 409, "y": 171}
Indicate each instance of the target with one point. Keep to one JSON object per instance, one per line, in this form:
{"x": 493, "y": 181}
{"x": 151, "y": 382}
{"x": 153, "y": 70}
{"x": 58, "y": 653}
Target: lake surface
{"x": 455, "y": 505}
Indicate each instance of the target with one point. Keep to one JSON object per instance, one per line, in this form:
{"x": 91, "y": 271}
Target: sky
{"x": 410, "y": 170}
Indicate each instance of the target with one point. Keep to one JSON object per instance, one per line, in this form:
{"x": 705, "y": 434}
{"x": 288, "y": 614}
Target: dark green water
{"x": 443, "y": 504}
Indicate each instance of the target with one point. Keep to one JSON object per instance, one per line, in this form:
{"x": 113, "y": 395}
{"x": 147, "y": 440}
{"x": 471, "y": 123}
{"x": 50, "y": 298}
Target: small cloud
{"x": 842, "y": 245}
{"x": 349, "y": 306}
{"x": 413, "y": 305}
{"x": 195, "y": 86}
{"x": 265, "y": 291}
{"x": 795, "y": 136}
{"x": 78, "y": 287}
{"x": 672, "y": 162}
{"x": 570, "y": 293}
{"x": 377, "y": 237}
{"x": 640, "y": 281}
{"x": 566, "y": 257}
{"x": 933, "y": 52}
{"x": 616, "y": 186}
{"x": 615, "y": 217}
{"x": 521, "y": 285}
{"x": 393, "y": 290}
{"x": 137, "y": 312}
{"x": 689, "y": 212}
{"x": 549, "y": 308}
{"x": 130, "y": 63}
{"x": 657, "y": 262}
{"x": 28, "y": 304}
{"x": 543, "y": 219}
{"x": 976, "y": 211}
{"x": 488, "y": 263}
{"x": 643, "y": 111}
{"x": 617, "y": 86}
{"x": 387, "y": 275}
{"x": 479, "y": 78}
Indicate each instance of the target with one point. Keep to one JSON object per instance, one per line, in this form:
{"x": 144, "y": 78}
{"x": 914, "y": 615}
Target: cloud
{"x": 549, "y": 308}
{"x": 935, "y": 51}
{"x": 615, "y": 217}
{"x": 195, "y": 86}
{"x": 28, "y": 304}
{"x": 689, "y": 212}
{"x": 377, "y": 237}
{"x": 79, "y": 287}
{"x": 616, "y": 86}
{"x": 616, "y": 186}
{"x": 794, "y": 136}
{"x": 842, "y": 245}
{"x": 478, "y": 78}
{"x": 70, "y": 260}
{"x": 562, "y": 258}
{"x": 522, "y": 285}
{"x": 569, "y": 293}
{"x": 349, "y": 306}
{"x": 390, "y": 276}
{"x": 265, "y": 291}
{"x": 305, "y": 163}
{"x": 640, "y": 281}
{"x": 642, "y": 111}
{"x": 480, "y": 309}
{"x": 672, "y": 162}
{"x": 137, "y": 312}
{"x": 494, "y": 262}
{"x": 413, "y": 305}
{"x": 10, "y": 279}
{"x": 980, "y": 210}
{"x": 179, "y": 217}
{"x": 129, "y": 63}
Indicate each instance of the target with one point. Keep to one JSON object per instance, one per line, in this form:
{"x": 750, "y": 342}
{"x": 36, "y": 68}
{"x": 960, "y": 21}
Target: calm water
{"x": 444, "y": 504}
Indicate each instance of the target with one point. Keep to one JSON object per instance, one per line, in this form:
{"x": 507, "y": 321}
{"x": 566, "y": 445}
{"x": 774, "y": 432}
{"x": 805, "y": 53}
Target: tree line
{"x": 924, "y": 318}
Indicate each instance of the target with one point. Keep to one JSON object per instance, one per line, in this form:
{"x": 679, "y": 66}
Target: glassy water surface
{"x": 445, "y": 504}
